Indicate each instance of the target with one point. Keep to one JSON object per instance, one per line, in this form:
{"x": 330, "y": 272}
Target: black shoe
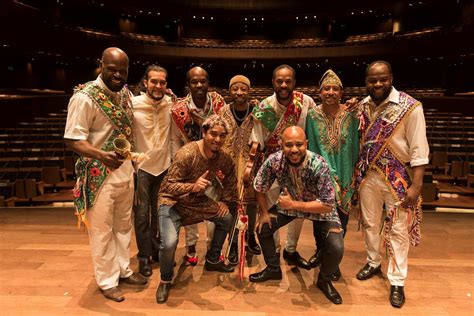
{"x": 233, "y": 255}
{"x": 265, "y": 275}
{"x": 219, "y": 266}
{"x": 336, "y": 275}
{"x": 163, "y": 292}
{"x": 397, "y": 296}
{"x": 367, "y": 272}
{"x": 315, "y": 260}
{"x": 252, "y": 245}
{"x": 330, "y": 291}
{"x": 144, "y": 267}
{"x": 294, "y": 259}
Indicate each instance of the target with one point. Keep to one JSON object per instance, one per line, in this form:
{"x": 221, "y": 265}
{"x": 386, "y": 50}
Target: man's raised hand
{"x": 202, "y": 183}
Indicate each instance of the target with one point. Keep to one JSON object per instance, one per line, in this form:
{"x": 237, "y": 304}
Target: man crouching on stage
{"x": 306, "y": 192}
{"x": 200, "y": 185}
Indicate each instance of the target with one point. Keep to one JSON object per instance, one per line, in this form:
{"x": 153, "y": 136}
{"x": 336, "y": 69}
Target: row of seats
{"x": 255, "y": 43}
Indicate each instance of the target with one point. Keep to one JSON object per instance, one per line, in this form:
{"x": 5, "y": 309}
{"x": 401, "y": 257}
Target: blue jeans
{"x": 146, "y": 214}
{"x": 170, "y": 222}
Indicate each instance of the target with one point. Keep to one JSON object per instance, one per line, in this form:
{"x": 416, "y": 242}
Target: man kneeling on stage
{"x": 306, "y": 192}
{"x": 200, "y": 185}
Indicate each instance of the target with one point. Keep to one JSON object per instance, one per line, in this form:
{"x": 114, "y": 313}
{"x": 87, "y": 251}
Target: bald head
{"x": 294, "y": 144}
{"x": 196, "y": 71}
{"x": 114, "y": 53}
{"x": 293, "y": 132}
{"x": 114, "y": 64}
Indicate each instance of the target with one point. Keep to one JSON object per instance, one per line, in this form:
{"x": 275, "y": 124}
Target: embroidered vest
{"x": 188, "y": 122}
{"x": 91, "y": 173}
{"x": 265, "y": 113}
{"x": 376, "y": 152}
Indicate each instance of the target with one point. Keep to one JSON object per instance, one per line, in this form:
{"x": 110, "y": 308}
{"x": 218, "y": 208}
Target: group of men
{"x": 197, "y": 150}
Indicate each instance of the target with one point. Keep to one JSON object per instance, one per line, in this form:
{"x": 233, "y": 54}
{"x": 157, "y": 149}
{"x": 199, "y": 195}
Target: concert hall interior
{"x": 49, "y": 47}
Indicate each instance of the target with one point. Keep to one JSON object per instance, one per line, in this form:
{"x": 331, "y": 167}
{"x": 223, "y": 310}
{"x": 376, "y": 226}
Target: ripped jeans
{"x": 333, "y": 248}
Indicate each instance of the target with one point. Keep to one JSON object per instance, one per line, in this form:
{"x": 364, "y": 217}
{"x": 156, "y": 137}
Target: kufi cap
{"x": 328, "y": 78}
{"x": 241, "y": 79}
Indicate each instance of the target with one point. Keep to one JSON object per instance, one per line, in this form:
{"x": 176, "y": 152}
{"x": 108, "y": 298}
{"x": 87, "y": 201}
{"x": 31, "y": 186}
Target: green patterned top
{"x": 337, "y": 140}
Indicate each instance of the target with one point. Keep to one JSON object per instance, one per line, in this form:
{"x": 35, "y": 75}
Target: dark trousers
{"x": 344, "y": 220}
{"x": 251, "y": 212}
{"x": 146, "y": 213}
{"x": 333, "y": 245}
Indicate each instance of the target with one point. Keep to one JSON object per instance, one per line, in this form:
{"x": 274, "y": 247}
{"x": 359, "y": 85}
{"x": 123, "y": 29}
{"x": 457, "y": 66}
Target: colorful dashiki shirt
{"x": 237, "y": 140}
{"x": 189, "y": 164}
{"x": 274, "y": 123}
{"x": 337, "y": 140}
{"x": 311, "y": 181}
{"x": 189, "y": 121}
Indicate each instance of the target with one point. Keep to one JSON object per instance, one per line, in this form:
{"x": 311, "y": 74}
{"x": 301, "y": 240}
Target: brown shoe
{"x": 113, "y": 294}
{"x": 134, "y": 279}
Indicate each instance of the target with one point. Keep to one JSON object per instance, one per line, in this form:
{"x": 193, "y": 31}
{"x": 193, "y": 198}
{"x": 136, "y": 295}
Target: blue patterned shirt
{"x": 310, "y": 181}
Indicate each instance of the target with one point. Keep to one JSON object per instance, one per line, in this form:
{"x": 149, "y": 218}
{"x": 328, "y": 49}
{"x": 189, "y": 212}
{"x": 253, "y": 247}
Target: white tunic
{"x": 152, "y": 132}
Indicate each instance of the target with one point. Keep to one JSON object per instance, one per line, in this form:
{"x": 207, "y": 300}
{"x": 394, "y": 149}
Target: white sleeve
{"x": 259, "y": 134}
{"x": 176, "y": 139}
{"x": 80, "y": 115}
{"x": 415, "y": 129}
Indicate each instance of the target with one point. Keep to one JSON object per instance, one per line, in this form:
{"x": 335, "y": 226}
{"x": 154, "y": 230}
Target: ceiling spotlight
{"x": 314, "y": 16}
{"x": 212, "y": 18}
{"x": 352, "y": 13}
{"x": 263, "y": 19}
{"x": 254, "y": 19}
{"x": 245, "y": 19}
{"x": 297, "y": 18}
{"x": 194, "y": 16}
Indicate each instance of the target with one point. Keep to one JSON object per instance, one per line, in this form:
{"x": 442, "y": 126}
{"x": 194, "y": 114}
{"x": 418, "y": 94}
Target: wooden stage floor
{"x": 46, "y": 270}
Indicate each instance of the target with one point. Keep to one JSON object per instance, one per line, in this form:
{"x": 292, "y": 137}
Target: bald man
{"x": 306, "y": 191}
{"x": 99, "y": 112}
{"x": 188, "y": 114}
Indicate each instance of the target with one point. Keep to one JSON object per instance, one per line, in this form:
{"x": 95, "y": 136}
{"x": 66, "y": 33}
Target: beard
{"x": 297, "y": 164}
{"x": 380, "y": 97}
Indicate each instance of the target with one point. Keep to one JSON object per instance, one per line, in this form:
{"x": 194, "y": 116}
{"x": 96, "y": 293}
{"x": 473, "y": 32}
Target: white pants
{"x": 192, "y": 235}
{"x": 374, "y": 192}
{"x": 110, "y": 228}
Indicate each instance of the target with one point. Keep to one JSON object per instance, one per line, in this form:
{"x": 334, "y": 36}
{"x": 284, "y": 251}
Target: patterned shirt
{"x": 308, "y": 182}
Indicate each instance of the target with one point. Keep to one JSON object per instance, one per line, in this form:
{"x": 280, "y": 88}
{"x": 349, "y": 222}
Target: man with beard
{"x": 284, "y": 108}
{"x": 240, "y": 124}
{"x": 188, "y": 114}
{"x": 392, "y": 159}
{"x": 333, "y": 133}
{"x": 100, "y": 112}
{"x": 306, "y": 191}
{"x": 152, "y": 132}
{"x": 200, "y": 185}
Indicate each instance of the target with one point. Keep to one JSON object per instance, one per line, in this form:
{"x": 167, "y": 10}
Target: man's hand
{"x": 285, "y": 200}
{"x": 111, "y": 160}
{"x": 412, "y": 197}
{"x": 202, "y": 183}
{"x": 352, "y": 105}
{"x": 223, "y": 209}
{"x": 263, "y": 218}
